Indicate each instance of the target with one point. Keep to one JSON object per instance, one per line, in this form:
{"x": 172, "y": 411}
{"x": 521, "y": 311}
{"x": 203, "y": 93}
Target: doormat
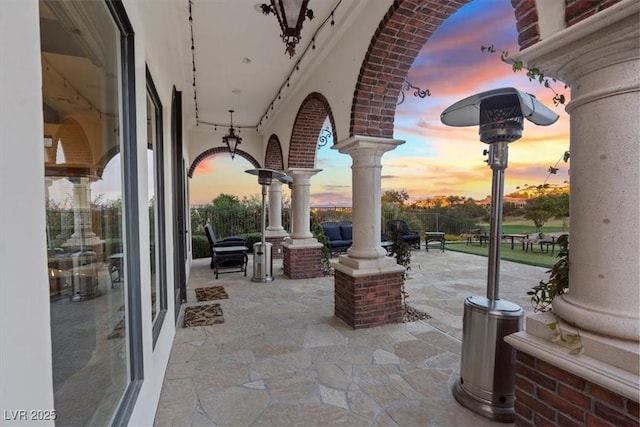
{"x": 203, "y": 315}
{"x": 212, "y": 293}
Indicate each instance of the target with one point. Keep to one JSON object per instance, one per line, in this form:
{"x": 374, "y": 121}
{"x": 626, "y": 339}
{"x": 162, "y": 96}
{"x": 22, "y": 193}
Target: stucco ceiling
{"x": 240, "y": 59}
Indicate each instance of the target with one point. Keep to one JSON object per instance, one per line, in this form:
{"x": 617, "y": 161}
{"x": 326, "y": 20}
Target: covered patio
{"x": 281, "y": 357}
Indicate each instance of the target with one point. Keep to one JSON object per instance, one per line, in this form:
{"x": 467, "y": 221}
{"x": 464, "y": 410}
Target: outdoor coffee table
{"x": 433, "y": 236}
{"x": 513, "y": 237}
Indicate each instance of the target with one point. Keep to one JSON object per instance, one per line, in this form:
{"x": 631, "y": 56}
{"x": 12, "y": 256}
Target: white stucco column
{"x": 83, "y": 235}
{"x": 602, "y": 67}
{"x": 366, "y": 252}
{"x": 300, "y": 231}
{"x": 599, "y": 59}
{"x": 275, "y": 229}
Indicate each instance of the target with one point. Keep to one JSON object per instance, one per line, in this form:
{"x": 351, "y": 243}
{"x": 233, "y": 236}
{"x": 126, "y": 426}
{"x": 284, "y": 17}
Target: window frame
{"x": 158, "y": 155}
{"x": 130, "y": 214}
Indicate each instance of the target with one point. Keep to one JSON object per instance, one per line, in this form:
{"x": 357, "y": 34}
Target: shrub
{"x": 543, "y": 294}
{"x": 318, "y": 233}
{"x": 252, "y": 238}
{"x": 200, "y": 246}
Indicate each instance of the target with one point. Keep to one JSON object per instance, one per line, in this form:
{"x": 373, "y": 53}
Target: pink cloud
{"x": 205, "y": 167}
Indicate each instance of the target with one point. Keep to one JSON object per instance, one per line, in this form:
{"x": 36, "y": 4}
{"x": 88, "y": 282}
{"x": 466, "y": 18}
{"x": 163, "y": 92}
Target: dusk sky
{"x": 435, "y": 159}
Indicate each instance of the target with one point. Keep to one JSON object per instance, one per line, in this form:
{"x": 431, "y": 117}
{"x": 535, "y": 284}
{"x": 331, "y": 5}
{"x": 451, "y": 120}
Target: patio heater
{"x": 262, "y": 261}
{"x": 487, "y": 378}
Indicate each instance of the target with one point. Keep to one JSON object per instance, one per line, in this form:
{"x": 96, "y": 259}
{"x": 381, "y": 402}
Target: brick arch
{"x": 273, "y": 155}
{"x": 306, "y": 129}
{"x": 216, "y": 150}
{"x": 403, "y": 31}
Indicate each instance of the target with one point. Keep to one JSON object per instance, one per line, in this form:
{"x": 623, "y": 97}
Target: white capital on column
{"x": 366, "y": 253}
{"x": 301, "y": 232}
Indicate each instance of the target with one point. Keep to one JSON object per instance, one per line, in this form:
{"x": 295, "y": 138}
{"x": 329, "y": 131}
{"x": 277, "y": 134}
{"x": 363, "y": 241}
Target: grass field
{"x": 525, "y": 226}
{"x": 514, "y": 226}
{"x": 506, "y": 253}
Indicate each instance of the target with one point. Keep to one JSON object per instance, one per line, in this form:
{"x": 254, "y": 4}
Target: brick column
{"x": 367, "y": 282}
{"x": 301, "y": 252}
{"x": 598, "y": 59}
{"x": 274, "y": 232}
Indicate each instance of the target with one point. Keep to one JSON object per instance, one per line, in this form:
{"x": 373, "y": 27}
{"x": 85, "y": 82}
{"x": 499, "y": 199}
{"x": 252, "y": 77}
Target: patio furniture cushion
{"x": 332, "y": 232}
{"x": 339, "y": 236}
{"x": 346, "y": 230}
{"x": 399, "y": 226}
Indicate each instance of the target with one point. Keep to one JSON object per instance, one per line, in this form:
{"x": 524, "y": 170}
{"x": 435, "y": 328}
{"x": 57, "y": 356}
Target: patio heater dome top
{"x": 466, "y": 112}
{"x": 265, "y": 176}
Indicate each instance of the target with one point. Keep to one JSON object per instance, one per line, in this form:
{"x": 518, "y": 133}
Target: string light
{"x": 193, "y": 61}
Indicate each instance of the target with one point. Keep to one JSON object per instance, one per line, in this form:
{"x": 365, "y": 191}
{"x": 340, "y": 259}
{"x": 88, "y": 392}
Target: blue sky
{"x": 435, "y": 159}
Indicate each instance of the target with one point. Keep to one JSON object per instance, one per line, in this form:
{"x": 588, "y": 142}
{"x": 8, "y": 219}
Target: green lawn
{"x": 514, "y": 226}
{"x": 506, "y": 253}
{"x": 525, "y": 226}
{"x": 511, "y": 226}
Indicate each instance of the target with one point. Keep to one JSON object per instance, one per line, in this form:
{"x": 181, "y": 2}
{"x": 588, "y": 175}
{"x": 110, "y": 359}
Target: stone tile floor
{"x": 281, "y": 358}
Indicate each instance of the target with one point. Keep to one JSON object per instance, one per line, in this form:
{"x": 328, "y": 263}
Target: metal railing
{"x": 229, "y": 222}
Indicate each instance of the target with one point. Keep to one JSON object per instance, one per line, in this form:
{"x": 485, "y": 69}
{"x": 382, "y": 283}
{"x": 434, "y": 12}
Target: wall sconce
{"x": 231, "y": 140}
{"x": 291, "y": 15}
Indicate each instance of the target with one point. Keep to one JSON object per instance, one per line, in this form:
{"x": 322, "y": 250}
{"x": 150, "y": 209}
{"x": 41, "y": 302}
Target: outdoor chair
{"x": 477, "y": 235}
{"x": 544, "y": 240}
{"x": 229, "y": 254}
{"x": 410, "y": 237}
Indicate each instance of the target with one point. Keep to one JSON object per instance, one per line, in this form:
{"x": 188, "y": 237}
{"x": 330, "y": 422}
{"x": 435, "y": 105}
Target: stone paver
{"x": 282, "y": 358}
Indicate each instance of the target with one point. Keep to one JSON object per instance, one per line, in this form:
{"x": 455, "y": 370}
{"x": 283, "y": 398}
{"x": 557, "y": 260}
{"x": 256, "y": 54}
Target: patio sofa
{"x": 339, "y": 236}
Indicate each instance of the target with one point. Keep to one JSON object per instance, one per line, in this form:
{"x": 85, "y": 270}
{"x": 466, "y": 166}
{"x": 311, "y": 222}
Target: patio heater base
{"x": 482, "y": 407}
{"x": 487, "y": 374}
{"x": 262, "y": 263}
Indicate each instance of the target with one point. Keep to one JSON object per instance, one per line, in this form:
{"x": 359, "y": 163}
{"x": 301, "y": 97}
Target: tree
{"x": 511, "y": 209}
{"x": 394, "y": 197}
{"x": 561, "y": 205}
{"x": 226, "y": 201}
{"x": 540, "y": 209}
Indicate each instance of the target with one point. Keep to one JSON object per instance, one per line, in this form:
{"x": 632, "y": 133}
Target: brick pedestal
{"x": 276, "y": 248}
{"x": 302, "y": 263}
{"x": 367, "y": 301}
{"x": 548, "y": 395}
